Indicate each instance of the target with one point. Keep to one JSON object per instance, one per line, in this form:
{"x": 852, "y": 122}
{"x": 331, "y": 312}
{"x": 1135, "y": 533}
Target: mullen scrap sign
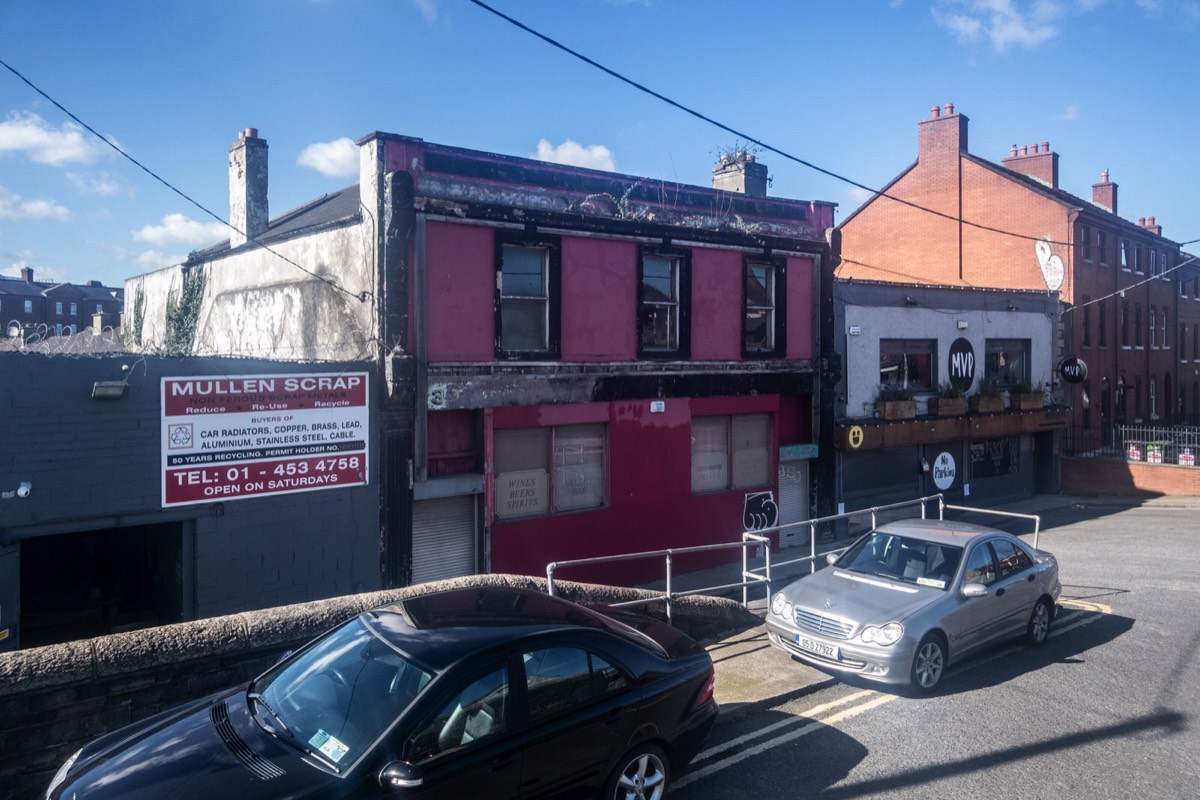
{"x": 253, "y": 435}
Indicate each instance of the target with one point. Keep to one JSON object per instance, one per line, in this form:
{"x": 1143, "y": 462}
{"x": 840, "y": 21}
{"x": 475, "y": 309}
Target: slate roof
{"x": 329, "y": 209}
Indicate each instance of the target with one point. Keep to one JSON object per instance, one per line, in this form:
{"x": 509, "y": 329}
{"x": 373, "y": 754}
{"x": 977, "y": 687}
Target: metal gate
{"x": 443, "y": 538}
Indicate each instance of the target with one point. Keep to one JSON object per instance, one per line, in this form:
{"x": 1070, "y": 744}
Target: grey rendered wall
{"x": 97, "y": 465}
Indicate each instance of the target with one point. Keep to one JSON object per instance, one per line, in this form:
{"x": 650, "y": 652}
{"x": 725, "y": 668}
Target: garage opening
{"x": 91, "y": 583}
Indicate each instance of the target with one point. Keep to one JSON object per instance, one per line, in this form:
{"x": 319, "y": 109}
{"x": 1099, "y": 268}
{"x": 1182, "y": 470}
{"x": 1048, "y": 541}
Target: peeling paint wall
{"x": 257, "y": 304}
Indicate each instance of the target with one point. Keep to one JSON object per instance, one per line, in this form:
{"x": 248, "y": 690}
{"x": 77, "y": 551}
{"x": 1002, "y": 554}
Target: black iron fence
{"x": 1148, "y": 444}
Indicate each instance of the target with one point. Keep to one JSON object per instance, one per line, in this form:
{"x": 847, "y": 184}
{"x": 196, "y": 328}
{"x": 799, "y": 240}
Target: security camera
{"x": 25, "y": 489}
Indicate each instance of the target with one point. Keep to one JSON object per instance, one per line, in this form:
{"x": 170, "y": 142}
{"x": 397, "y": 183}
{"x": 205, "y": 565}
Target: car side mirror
{"x": 974, "y": 590}
{"x": 400, "y": 775}
{"x": 831, "y": 558}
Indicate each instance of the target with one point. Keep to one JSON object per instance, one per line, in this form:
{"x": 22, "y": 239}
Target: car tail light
{"x": 710, "y": 684}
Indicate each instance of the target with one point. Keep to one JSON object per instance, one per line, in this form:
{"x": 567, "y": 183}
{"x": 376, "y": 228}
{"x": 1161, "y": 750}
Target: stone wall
{"x": 55, "y": 699}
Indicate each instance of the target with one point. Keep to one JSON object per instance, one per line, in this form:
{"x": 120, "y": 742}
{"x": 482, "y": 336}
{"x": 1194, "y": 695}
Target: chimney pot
{"x": 27, "y": 274}
{"x": 1141, "y": 222}
{"x": 1013, "y": 152}
{"x": 1024, "y": 149}
{"x": 1104, "y": 176}
{"x": 1045, "y": 147}
{"x": 1150, "y": 221}
{"x": 949, "y": 109}
{"x": 1035, "y": 148}
{"x": 935, "y": 112}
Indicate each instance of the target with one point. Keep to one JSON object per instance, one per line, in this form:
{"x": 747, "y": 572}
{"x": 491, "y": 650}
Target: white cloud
{"x": 13, "y": 206}
{"x": 29, "y": 134}
{"x": 428, "y": 9}
{"x": 100, "y": 184}
{"x": 337, "y": 159}
{"x": 1004, "y": 22}
{"x": 178, "y": 229}
{"x": 41, "y": 274}
{"x": 572, "y": 153}
{"x": 153, "y": 260}
{"x": 1071, "y": 113}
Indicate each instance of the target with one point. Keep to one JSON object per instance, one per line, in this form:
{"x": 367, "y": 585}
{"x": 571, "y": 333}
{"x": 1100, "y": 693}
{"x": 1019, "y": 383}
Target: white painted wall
{"x": 883, "y": 322}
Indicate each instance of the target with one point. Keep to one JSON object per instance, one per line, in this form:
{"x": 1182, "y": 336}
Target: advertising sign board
{"x": 228, "y": 438}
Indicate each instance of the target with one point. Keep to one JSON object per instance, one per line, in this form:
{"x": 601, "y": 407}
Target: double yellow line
{"x": 740, "y": 748}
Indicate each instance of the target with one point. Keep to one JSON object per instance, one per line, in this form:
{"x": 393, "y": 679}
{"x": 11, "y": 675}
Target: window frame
{"x": 1102, "y": 248}
{"x": 778, "y": 308}
{"x": 730, "y": 453}
{"x": 1005, "y": 379}
{"x": 1085, "y": 334}
{"x": 554, "y": 506}
{"x": 682, "y": 280}
{"x": 928, "y": 347}
{"x": 552, "y": 280}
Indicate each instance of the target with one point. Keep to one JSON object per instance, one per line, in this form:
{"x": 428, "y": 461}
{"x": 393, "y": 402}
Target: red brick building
{"x": 1131, "y": 299}
{"x": 37, "y": 308}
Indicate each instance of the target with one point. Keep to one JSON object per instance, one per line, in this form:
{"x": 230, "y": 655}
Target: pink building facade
{"x": 601, "y": 364}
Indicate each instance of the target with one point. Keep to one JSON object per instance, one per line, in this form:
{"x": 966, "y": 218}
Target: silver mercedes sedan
{"x": 913, "y": 595}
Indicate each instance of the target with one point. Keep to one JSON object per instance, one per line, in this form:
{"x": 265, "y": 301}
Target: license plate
{"x": 821, "y": 649}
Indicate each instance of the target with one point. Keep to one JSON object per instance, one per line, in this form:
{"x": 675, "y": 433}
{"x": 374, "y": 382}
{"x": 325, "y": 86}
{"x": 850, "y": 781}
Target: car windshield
{"x": 904, "y": 559}
{"x": 336, "y": 698}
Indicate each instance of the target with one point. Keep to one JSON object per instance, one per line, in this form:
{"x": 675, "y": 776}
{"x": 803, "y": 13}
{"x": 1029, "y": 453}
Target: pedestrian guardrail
{"x": 756, "y": 576}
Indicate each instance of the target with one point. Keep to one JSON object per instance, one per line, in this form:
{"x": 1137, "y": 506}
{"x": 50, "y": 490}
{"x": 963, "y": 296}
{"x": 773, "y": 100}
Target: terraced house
{"x": 574, "y": 363}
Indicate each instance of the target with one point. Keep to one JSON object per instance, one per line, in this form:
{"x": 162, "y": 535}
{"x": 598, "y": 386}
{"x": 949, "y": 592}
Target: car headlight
{"x": 61, "y": 775}
{"x": 780, "y": 606}
{"x": 885, "y": 635}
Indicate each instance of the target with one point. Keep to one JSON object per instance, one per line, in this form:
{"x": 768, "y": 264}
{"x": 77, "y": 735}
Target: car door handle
{"x": 616, "y": 715}
{"x": 999, "y": 593}
{"x": 1031, "y": 577}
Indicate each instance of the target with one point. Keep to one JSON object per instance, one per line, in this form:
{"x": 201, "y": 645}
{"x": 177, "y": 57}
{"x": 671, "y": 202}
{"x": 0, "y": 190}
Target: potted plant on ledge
{"x": 949, "y": 402}
{"x": 895, "y": 403}
{"x": 988, "y": 400}
{"x": 1027, "y": 397}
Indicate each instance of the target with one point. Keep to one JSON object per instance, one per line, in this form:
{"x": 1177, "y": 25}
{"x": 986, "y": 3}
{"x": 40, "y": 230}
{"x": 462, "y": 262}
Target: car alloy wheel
{"x": 1039, "y": 623}
{"x": 928, "y": 664}
{"x": 641, "y": 774}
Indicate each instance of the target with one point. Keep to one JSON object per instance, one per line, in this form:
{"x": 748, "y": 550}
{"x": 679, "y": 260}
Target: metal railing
{"x": 749, "y": 540}
{"x": 1149, "y": 444}
{"x": 758, "y": 576}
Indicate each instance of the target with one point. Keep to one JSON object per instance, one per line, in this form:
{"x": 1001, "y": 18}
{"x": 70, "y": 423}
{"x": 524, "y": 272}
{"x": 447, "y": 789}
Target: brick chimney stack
{"x": 247, "y": 187}
{"x": 740, "y": 173}
{"x": 27, "y": 274}
{"x": 1150, "y": 226}
{"x": 1035, "y": 162}
{"x": 942, "y": 136}
{"x": 1104, "y": 193}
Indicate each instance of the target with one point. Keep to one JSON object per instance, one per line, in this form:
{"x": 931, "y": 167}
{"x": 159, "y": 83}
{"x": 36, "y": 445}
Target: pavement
{"x": 750, "y": 671}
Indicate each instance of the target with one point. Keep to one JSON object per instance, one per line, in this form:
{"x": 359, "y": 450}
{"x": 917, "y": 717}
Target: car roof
{"x": 952, "y": 532}
{"x": 441, "y": 628}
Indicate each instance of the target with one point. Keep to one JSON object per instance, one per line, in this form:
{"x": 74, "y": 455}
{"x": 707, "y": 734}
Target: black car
{"x": 478, "y": 692}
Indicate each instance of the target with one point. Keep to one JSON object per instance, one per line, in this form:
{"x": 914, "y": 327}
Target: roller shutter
{"x": 443, "y": 538}
{"x": 793, "y": 501}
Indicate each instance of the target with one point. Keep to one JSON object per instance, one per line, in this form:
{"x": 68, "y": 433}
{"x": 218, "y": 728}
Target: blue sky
{"x": 1111, "y": 84}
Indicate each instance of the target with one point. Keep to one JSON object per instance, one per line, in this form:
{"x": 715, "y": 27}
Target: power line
{"x": 361, "y": 296}
{"x": 742, "y": 135}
